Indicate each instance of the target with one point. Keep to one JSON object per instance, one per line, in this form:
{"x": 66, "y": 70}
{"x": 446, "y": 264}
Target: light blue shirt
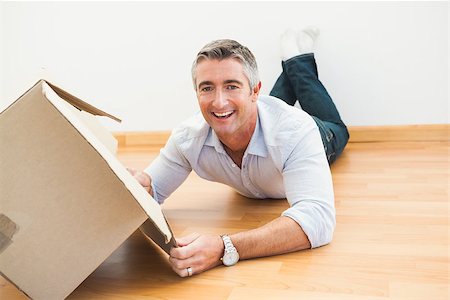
{"x": 284, "y": 159}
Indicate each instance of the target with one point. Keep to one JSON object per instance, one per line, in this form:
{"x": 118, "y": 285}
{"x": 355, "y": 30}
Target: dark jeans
{"x": 299, "y": 81}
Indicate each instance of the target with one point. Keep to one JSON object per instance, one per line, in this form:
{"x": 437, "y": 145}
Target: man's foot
{"x": 306, "y": 39}
{"x": 289, "y": 47}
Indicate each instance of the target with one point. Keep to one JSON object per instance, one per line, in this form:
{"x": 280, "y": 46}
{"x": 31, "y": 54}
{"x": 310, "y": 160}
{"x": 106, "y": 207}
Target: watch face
{"x": 230, "y": 258}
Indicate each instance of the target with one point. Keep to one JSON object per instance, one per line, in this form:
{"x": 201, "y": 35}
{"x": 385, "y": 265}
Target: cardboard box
{"x": 66, "y": 202}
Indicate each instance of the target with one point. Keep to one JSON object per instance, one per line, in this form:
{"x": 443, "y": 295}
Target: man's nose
{"x": 220, "y": 99}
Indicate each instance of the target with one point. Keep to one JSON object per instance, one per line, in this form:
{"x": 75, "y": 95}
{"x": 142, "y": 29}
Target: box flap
{"x": 80, "y": 104}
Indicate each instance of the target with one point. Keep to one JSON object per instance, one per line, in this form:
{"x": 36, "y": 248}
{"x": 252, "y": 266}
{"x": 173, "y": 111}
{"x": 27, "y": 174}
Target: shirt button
{"x": 233, "y": 165}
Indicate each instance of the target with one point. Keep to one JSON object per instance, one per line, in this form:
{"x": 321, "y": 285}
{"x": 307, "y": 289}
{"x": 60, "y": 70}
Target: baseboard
{"x": 142, "y": 138}
{"x": 358, "y": 134}
{"x": 400, "y": 133}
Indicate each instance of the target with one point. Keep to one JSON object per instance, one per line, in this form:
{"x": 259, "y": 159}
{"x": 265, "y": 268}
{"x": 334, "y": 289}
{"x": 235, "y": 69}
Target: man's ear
{"x": 257, "y": 88}
{"x": 255, "y": 91}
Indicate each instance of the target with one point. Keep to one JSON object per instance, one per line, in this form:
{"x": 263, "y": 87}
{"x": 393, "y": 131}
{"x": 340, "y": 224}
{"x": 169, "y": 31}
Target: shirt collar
{"x": 213, "y": 140}
{"x": 257, "y": 145}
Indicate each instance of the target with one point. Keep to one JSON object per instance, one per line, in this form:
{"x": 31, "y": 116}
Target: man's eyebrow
{"x": 204, "y": 83}
{"x": 233, "y": 81}
{"x": 228, "y": 81}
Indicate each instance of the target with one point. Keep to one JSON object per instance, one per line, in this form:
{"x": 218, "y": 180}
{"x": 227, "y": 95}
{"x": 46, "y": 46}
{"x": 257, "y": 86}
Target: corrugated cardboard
{"x": 66, "y": 202}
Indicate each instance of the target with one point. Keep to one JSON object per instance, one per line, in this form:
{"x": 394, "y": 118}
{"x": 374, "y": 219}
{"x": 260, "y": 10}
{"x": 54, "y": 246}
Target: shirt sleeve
{"x": 169, "y": 170}
{"x": 309, "y": 188}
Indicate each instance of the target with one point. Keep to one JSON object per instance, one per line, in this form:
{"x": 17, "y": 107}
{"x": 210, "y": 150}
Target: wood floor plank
{"x": 391, "y": 239}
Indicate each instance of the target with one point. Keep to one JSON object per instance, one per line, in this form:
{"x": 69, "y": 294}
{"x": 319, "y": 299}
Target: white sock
{"x": 289, "y": 47}
{"x": 306, "y": 39}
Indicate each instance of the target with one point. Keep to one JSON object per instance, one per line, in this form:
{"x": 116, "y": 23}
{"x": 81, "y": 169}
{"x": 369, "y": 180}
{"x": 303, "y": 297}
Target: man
{"x": 258, "y": 145}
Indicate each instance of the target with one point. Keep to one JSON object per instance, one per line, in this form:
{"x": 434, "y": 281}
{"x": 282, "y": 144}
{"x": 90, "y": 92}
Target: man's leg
{"x": 283, "y": 90}
{"x": 299, "y": 81}
{"x": 301, "y": 71}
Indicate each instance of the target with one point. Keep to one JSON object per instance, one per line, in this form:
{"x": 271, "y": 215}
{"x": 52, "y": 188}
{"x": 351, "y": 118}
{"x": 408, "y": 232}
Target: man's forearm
{"x": 281, "y": 235}
{"x": 203, "y": 252}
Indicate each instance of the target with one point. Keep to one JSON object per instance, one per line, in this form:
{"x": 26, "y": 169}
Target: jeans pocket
{"x": 328, "y": 137}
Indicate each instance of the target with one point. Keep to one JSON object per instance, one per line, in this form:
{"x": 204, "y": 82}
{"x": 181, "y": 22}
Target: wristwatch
{"x": 230, "y": 254}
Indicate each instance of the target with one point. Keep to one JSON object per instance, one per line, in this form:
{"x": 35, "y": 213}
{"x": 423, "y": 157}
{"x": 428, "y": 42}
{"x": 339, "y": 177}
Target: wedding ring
{"x": 189, "y": 270}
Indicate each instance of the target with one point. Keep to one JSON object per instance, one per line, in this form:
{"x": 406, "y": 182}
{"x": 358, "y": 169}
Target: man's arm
{"x": 281, "y": 235}
{"x": 203, "y": 252}
{"x": 309, "y": 222}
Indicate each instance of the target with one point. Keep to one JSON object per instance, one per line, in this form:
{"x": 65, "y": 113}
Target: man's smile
{"x": 223, "y": 115}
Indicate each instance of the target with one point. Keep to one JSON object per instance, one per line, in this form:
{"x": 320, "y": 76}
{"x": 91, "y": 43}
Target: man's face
{"x": 226, "y": 100}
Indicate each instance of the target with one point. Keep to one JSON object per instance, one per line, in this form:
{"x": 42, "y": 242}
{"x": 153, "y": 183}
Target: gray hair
{"x": 223, "y": 49}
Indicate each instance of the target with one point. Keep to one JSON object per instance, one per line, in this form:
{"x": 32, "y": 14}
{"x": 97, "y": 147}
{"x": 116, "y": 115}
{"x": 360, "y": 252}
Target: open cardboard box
{"x": 66, "y": 202}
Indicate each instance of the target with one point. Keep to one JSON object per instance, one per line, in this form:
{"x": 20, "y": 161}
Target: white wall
{"x": 384, "y": 63}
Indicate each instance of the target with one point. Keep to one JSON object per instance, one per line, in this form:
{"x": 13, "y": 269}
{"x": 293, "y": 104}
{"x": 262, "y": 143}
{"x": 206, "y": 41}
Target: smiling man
{"x": 258, "y": 145}
{"x": 227, "y": 103}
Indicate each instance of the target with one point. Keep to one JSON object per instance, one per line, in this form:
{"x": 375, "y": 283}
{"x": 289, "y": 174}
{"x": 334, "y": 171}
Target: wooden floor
{"x": 391, "y": 240}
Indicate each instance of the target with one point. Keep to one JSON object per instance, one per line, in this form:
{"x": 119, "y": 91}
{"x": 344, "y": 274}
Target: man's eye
{"x": 231, "y": 87}
{"x": 206, "y": 89}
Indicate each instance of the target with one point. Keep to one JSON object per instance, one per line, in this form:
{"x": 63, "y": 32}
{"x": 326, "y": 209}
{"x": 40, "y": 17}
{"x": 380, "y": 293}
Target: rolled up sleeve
{"x": 309, "y": 189}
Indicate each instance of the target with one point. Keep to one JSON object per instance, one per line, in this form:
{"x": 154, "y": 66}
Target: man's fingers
{"x": 202, "y": 253}
{"x": 183, "y": 272}
{"x": 182, "y": 252}
{"x": 142, "y": 179}
{"x": 186, "y": 240}
{"x": 183, "y": 256}
{"x": 132, "y": 171}
{"x": 180, "y": 266}
{"x": 185, "y": 247}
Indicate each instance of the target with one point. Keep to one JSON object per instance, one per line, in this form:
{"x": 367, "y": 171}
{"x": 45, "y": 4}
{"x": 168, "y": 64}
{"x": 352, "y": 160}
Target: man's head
{"x": 226, "y": 81}
{"x": 224, "y": 49}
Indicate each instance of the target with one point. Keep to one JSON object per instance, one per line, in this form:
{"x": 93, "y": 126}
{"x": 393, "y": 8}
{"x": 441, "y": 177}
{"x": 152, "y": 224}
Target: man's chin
{"x": 219, "y": 125}
{"x": 221, "y": 131}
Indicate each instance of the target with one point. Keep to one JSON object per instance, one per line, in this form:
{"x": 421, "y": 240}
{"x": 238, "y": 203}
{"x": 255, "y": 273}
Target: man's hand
{"x": 199, "y": 252}
{"x": 142, "y": 178}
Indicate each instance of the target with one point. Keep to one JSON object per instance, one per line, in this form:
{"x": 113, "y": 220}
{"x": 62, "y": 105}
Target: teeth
{"x": 223, "y": 114}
